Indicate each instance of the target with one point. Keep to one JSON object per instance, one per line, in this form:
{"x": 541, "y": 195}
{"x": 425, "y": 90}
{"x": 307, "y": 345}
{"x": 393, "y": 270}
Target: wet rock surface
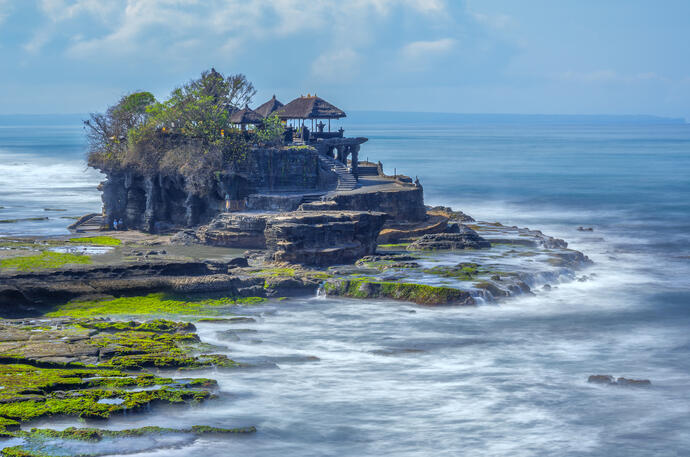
{"x": 624, "y": 382}
{"x": 300, "y": 237}
{"x": 464, "y": 238}
{"x": 22, "y": 291}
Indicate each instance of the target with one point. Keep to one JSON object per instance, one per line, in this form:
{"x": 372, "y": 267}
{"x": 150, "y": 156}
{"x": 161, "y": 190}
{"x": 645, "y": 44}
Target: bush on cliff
{"x": 187, "y": 135}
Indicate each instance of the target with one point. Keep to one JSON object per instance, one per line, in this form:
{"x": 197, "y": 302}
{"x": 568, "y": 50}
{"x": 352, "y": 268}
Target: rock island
{"x": 209, "y": 207}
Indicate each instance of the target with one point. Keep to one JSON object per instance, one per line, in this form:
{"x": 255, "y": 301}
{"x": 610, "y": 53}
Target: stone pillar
{"x": 339, "y": 155}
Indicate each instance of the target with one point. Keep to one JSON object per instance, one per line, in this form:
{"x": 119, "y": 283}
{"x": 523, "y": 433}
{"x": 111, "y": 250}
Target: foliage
{"x": 45, "y": 259}
{"x": 107, "y": 132}
{"x": 189, "y": 134}
{"x": 271, "y": 132}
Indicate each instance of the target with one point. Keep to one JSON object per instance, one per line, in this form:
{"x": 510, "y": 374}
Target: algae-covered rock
{"x": 417, "y": 293}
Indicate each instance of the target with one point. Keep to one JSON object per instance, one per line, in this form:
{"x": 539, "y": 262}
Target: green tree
{"x": 271, "y": 132}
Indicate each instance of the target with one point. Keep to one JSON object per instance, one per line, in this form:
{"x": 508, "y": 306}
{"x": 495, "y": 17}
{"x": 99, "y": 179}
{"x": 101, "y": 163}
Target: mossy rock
{"x": 43, "y": 260}
{"x": 417, "y": 293}
{"x": 152, "y": 304}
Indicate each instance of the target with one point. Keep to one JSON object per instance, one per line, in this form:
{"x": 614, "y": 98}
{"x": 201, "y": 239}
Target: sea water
{"x": 336, "y": 377}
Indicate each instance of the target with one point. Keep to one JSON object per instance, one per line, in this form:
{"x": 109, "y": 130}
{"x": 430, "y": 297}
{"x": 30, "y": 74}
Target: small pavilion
{"x": 245, "y": 116}
{"x": 312, "y": 108}
{"x": 269, "y": 107}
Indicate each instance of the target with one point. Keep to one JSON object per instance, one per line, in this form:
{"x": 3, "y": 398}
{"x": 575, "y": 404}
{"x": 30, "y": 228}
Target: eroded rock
{"x": 465, "y": 238}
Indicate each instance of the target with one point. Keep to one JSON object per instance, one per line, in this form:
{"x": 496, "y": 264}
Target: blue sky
{"x": 473, "y": 56}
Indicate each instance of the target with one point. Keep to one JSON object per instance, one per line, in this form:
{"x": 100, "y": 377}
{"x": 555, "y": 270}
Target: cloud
{"x": 422, "y": 55}
{"x": 5, "y": 10}
{"x": 421, "y": 49}
{"x": 337, "y": 66}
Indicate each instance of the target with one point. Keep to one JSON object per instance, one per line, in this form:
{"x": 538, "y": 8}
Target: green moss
{"x": 87, "y": 403}
{"x": 463, "y": 271}
{"x": 416, "y": 293}
{"x": 97, "y": 240}
{"x": 392, "y": 246}
{"x": 43, "y": 260}
{"x": 96, "y": 434}
{"x": 20, "y": 451}
{"x": 275, "y": 272}
{"x": 321, "y": 275}
{"x": 157, "y": 325}
{"x": 152, "y": 304}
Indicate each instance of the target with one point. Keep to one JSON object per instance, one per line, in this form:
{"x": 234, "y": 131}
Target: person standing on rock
{"x": 227, "y": 203}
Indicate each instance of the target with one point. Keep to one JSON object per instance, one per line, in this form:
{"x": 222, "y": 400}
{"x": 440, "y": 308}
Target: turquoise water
{"x": 507, "y": 379}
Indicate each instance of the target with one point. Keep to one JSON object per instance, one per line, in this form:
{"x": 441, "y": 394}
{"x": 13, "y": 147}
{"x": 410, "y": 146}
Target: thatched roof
{"x": 310, "y": 108}
{"x": 246, "y": 116}
{"x": 269, "y": 107}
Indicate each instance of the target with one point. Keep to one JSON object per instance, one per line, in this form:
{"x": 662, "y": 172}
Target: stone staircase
{"x": 92, "y": 224}
{"x": 346, "y": 180}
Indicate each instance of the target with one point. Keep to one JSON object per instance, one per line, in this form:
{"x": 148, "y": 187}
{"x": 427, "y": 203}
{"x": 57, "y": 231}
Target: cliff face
{"x": 158, "y": 202}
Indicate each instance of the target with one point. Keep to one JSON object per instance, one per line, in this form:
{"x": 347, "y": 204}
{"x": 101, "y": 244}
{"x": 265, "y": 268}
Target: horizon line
{"x": 676, "y": 119}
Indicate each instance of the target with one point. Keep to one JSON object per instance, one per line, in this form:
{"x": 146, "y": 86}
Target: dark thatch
{"x": 269, "y": 107}
{"x": 310, "y": 108}
{"x": 246, "y": 116}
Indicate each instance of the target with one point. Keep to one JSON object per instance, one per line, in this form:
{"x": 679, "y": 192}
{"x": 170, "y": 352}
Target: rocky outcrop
{"x": 401, "y": 202}
{"x": 155, "y": 203}
{"x": 417, "y": 293}
{"x": 465, "y": 238}
{"x": 21, "y": 292}
{"x": 450, "y": 213}
{"x": 236, "y": 230}
{"x": 611, "y": 381}
{"x": 300, "y": 237}
{"x": 322, "y": 238}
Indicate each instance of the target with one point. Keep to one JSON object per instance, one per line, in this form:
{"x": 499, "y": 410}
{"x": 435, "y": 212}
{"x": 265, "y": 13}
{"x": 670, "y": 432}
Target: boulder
{"x": 299, "y": 237}
{"x": 465, "y": 238}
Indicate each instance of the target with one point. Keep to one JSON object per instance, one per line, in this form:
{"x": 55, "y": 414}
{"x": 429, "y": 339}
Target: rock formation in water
{"x": 303, "y": 237}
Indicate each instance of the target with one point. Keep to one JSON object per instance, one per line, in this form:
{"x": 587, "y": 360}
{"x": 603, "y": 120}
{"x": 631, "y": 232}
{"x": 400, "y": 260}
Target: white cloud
{"x": 423, "y": 49}
{"x": 337, "y": 66}
{"x": 125, "y": 22}
{"x": 5, "y": 10}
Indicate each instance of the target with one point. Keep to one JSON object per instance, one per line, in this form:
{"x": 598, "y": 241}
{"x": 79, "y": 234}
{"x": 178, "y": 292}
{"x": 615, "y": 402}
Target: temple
{"x": 304, "y": 120}
{"x": 313, "y": 166}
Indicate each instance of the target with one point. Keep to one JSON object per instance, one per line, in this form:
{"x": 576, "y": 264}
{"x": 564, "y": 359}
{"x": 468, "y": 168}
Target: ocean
{"x": 497, "y": 379}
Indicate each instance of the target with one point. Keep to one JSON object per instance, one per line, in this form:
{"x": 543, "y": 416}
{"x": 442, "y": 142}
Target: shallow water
{"x": 498, "y": 379}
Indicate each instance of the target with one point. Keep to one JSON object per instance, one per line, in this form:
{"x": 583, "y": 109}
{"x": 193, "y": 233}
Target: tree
{"x": 107, "y": 133}
{"x": 189, "y": 134}
{"x": 271, "y": 132}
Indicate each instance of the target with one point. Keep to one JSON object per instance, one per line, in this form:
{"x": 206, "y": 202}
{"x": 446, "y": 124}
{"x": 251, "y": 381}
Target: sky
{"x": 471, "y": 56}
